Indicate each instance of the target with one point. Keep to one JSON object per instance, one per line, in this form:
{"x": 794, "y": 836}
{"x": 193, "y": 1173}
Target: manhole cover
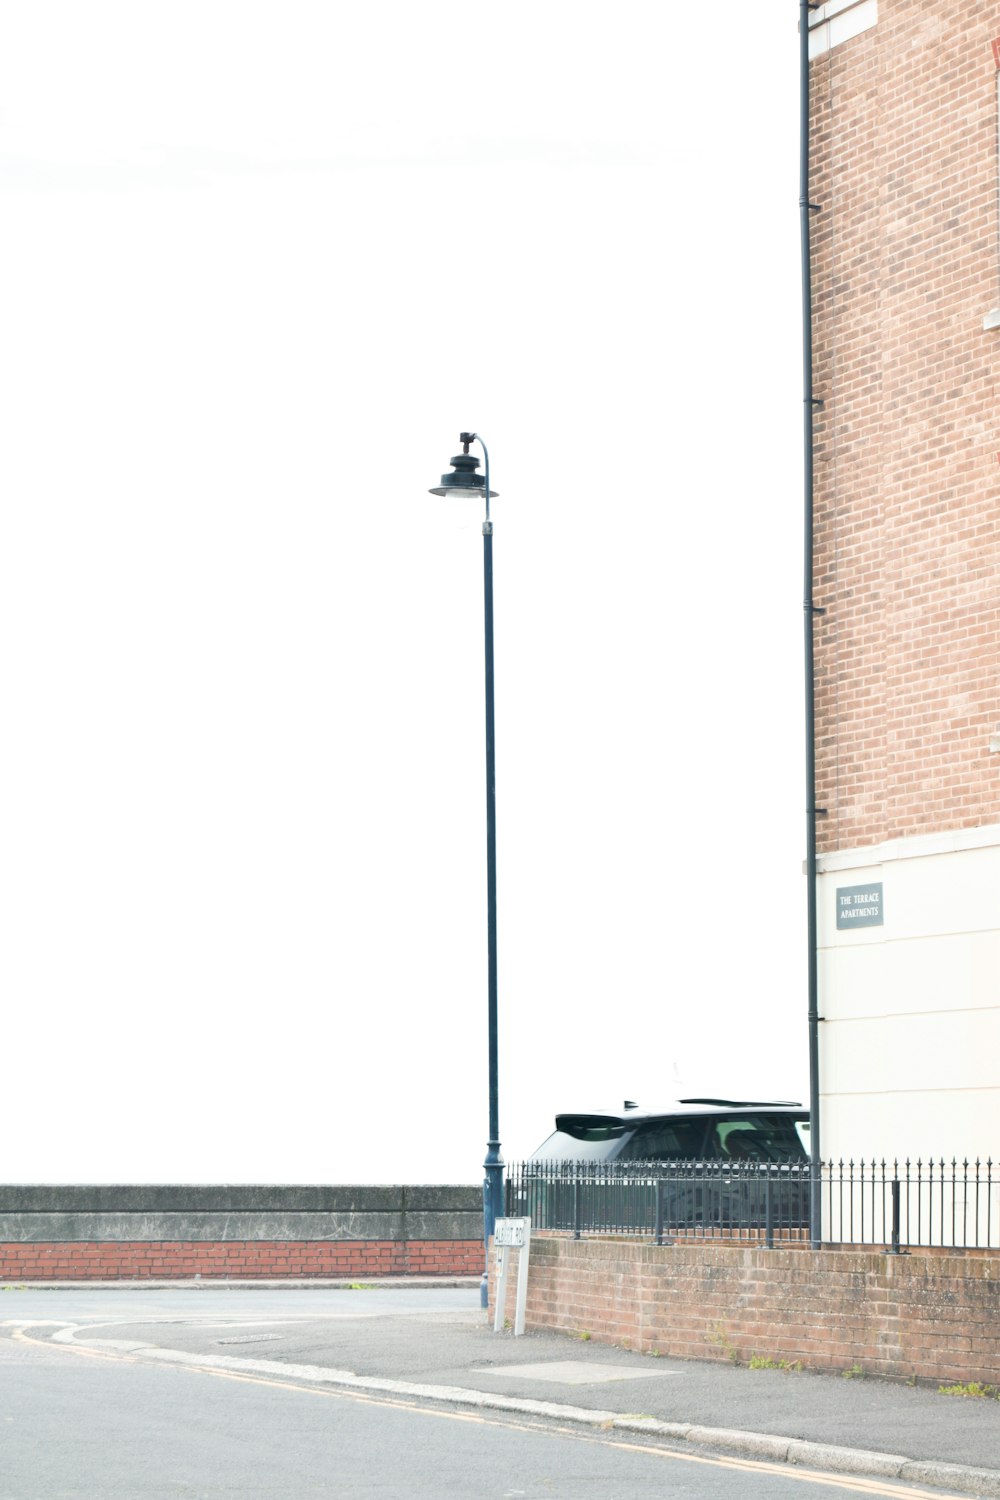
{"x": 250, "y": 1338}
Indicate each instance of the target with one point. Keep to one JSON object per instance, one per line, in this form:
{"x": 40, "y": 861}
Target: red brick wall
{"x": 165, "y": 1259}
{"x": 931, "y": 1315}
{"x": 906, "y": 264}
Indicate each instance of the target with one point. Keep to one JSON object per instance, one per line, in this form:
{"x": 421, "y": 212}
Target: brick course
{"x": 232, "y": 1259}
{"x": 906, "y": 263}
{"x": 933, "y": 1315}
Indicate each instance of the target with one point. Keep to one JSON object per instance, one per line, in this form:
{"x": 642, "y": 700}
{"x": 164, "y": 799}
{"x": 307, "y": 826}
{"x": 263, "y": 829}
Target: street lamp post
{"x": 465, "y": 480}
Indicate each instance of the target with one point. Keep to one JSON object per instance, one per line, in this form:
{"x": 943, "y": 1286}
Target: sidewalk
{"x": 446, "y": 1351}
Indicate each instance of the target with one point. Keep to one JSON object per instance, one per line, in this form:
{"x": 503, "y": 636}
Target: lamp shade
{"x": 464, "y": 480}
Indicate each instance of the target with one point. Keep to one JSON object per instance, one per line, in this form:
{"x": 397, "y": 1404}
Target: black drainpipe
{"x": 806, "y": 209}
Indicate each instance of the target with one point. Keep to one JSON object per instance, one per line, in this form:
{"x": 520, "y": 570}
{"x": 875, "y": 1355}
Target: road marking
{"x": 393, "y": 1394}
{"x": 69, "y": 1332}
{"x": 34, "y": 1323}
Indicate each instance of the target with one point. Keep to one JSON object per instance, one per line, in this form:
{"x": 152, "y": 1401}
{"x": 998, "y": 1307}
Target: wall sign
{"x": 860, "y": 906}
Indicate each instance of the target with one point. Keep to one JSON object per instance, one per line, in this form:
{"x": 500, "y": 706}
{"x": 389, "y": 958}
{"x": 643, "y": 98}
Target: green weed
{"x": 971, "y": 1388}
{"x": 721, "y": 1340}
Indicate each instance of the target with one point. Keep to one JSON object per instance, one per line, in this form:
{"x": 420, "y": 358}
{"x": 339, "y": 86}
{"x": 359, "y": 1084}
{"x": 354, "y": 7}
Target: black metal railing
{"x": 929, "y": 1202}
{"x": 896, "y": 1204}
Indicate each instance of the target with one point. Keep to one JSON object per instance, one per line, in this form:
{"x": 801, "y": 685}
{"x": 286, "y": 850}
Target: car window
{"x": 757, "y": 1138}
{"x": 666, "y": 1140}
{"x": 593, "y": 1144}
{"x": 751, "y": 1136}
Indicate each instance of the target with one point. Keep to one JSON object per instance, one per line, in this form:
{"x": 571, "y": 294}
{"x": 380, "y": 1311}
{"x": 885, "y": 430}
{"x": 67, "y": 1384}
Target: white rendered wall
{"x": 910, "y": 1043}
{"x": 837, "y": 21}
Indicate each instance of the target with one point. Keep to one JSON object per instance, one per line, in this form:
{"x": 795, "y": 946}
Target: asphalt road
{"x": 96, "y": 1423}
{"x": 437, "y": 1335}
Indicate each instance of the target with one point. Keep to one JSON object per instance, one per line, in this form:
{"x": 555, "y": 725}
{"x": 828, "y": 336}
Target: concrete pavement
{"x": 394, "y": 1340}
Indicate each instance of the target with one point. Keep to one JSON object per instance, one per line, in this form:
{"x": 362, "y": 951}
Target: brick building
{"x": 905, "y": 168}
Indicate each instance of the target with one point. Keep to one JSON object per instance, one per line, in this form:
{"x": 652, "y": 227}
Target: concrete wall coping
{"x": 144, "y": 1198}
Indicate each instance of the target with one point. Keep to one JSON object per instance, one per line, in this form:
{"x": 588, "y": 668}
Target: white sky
{"x": 260, "y": 265}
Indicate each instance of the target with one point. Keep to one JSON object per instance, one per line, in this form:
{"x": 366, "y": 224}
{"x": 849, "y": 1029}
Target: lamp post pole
{"x": 465, "y": 479}
{"x": 493, "y": 1183}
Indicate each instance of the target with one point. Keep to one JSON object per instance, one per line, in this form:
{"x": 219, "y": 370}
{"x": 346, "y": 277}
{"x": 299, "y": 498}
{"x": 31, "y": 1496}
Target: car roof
{"x": 632, "y": 1114}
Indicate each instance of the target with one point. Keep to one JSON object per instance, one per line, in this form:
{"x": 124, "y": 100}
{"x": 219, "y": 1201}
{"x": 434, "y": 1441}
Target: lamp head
{"x": 463, "y": 480}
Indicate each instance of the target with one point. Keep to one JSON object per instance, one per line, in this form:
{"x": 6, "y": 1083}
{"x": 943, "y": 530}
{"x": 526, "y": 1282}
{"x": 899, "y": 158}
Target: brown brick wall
{"x": 929, "y": 1316}
{"x": 906, "y": 263}
{"x": 165, "y": 1259}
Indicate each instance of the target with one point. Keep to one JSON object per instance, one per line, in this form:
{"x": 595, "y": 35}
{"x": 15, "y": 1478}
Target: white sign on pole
{"x": 510, "y": 1232}
{"x": 508, "y": 1235}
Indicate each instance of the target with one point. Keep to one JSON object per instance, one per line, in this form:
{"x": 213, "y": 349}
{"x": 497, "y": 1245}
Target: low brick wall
{"x": 933, "y": 1315}
{"x": 162, "y": 1259}
{"x": 75, "y": 1233}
